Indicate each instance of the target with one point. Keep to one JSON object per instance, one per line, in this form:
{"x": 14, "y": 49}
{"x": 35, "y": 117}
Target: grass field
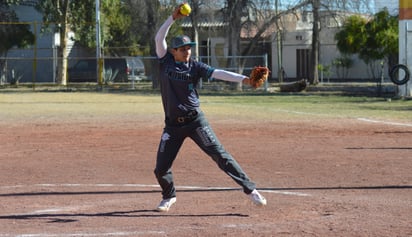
{"x": 268, "y": 106}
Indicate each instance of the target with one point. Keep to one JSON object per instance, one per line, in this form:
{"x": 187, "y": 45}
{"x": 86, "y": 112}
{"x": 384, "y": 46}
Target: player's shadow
{"x": 55, "y": 193}
{"x": 73, "y": 217}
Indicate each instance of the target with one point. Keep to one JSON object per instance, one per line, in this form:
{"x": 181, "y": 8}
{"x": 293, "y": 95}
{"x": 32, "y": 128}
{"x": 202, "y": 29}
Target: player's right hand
{"x": 176, "y": 13}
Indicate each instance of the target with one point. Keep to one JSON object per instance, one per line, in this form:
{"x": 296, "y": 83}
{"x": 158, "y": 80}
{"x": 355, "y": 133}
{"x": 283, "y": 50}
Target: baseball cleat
{"x": 165, "y": 204}
{"x": 256, "y": 198}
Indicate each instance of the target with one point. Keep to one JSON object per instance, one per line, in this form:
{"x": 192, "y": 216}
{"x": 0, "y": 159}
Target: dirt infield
{"x": 78, "y": 171}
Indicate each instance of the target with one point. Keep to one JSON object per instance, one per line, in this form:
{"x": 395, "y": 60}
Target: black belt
{"x": 187, "y": 118}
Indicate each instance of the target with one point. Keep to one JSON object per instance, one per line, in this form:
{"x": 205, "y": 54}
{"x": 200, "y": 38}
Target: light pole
{"x": 99, "y": 60}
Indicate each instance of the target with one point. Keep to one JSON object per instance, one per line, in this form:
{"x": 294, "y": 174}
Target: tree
{"x": 57, "y": 12}
{"x": 351, "y": 38}
{"x": 76, "y": 15}
{"x": 114, "y": 23}
{"x": 144, "y": 19}
{"x": 376, "y": 39}
{"x": 382, "y": 39}
{"x": 12, "y": 34}
{"x": 233, "y": 12}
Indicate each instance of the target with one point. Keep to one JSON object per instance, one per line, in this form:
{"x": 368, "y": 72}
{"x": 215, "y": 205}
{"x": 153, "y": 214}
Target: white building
{"x": 296, "y": 48}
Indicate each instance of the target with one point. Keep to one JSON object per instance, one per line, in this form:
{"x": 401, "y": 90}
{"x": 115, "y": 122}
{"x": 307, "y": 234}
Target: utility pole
{"x": 279, "y": 44}
{"x": 315, "y": 43}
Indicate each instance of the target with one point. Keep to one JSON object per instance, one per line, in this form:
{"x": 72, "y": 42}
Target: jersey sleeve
{"x": 160, "y": 39}
{"x": 227, "y": 76}
{"x": 204, "y": 71}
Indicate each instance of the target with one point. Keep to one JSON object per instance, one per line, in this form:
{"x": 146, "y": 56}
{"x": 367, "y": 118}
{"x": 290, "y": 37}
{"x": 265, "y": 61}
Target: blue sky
{"x": 374, "y": 5}
{"x": 392, "y": 5}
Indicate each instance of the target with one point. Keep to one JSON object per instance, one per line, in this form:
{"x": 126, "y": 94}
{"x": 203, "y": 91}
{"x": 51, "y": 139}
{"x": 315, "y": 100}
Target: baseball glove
{"x": 258, "y": 76}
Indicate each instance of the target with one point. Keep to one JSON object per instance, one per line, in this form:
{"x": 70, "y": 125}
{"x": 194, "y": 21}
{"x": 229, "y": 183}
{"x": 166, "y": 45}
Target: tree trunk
{"x": 279, "y": 44}
{"x": 62, "y": 51}
{"x": 235, "y": 26}
{"x": 314, "y": 80}
{"x": 63, "y": 47}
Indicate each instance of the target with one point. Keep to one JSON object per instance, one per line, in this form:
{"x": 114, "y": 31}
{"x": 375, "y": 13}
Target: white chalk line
{"x": 360, "y": 119}
{"x": 384, "y": 122}
{"x": 300, "y": 112}
{"x": 120, "y": 233}
{"x": 147, "y": 186}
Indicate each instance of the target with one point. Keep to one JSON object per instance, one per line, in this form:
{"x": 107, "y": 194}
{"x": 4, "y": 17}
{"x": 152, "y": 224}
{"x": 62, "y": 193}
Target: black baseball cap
{"x": 181, "y": 40}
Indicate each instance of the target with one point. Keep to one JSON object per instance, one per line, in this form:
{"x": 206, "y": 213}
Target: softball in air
{"x": 185, "y": 9}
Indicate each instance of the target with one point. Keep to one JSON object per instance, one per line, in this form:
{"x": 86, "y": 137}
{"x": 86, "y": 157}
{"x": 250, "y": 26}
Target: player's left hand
{"x": 258, "y": 76}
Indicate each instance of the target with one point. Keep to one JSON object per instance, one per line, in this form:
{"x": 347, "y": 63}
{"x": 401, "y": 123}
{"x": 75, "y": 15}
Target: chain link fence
{"x": 27, "y": 67}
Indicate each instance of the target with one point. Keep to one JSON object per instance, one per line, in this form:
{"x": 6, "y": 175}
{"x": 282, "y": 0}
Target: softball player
{"x": 179, "y": 76}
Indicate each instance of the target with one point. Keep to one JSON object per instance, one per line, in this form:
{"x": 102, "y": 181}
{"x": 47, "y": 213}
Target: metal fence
{"x": 28, "y": 69}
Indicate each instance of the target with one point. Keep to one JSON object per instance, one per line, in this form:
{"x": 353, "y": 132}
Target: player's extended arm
{"x": 229, "y": 76}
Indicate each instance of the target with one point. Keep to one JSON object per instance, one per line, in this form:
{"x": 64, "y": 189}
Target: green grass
{"x": 263, "y": 106}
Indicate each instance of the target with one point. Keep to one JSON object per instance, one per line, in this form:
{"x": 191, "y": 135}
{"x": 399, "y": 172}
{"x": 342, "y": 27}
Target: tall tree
{"x": 382, "y": 38}
{"x": 145, "y": 18}
{"x": 233, "y": 12}
{"x": 115, "y": 21}
{"x": 351, "y": 38}
{"x": 374, "y": 39}
{"x": 57, "y": 12}
{"x": 80, "y": 16}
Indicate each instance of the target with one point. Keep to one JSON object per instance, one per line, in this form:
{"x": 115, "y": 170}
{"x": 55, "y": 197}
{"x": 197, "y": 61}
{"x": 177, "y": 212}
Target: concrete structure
{"x": 37, "y": 63}
{"x": 296, "y": 45}
{"x": 405, "y": 42}
{"x": 34, "y": 64}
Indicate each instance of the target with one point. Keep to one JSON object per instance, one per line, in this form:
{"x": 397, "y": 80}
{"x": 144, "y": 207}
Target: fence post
{"x": 265, "y": 62}
{"x": 34, "y": 55}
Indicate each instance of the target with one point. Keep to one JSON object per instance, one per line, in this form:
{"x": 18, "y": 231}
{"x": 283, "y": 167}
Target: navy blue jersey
{"x": 178, "y": 83}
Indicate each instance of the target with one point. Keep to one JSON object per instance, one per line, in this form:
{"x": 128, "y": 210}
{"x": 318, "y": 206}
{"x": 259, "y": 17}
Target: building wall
{"x": 22, "y": 60}
{"x": 39, "y": 62}
{"x": 302, "y": 39}
{"x": 405, "y": 45}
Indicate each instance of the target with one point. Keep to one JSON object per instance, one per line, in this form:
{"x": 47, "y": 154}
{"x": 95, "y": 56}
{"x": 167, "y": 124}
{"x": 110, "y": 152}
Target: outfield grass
{"x": 265, "y": 106}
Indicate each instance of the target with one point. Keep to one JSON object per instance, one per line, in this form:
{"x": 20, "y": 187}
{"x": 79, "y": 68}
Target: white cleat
{"x": 165, "y": 204}
{"x": 257, "y": 198}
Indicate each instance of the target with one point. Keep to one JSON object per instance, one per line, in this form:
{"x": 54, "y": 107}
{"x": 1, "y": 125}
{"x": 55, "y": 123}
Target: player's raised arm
{"x": 160, "y": 39}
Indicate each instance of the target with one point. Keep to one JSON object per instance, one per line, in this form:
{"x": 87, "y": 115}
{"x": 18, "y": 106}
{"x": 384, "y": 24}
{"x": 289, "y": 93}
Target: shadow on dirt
{"x": 66, "y": 218}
